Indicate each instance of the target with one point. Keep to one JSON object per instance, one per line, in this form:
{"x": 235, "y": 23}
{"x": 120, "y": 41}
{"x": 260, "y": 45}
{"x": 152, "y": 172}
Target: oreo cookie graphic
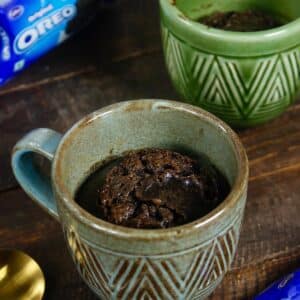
{"x": 5, "y": 54}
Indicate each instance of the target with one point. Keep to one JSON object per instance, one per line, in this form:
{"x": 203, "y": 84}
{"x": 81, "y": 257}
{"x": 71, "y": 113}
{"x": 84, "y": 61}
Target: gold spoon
{"x": 20, "y": 277}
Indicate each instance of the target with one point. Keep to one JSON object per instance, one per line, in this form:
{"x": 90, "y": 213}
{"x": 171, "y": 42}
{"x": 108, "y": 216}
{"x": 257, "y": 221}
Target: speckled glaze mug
{"x": 184, "y": 262}
{"x": 245, "y": 78}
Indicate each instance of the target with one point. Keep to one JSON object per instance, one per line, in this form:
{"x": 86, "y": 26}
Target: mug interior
{"x": 285, "y": 10}
{"x": 142, "y": 124}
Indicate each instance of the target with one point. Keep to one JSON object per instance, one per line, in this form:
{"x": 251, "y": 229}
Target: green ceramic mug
{"x": 184, "y": 262}
{"x": 244, "y": 78}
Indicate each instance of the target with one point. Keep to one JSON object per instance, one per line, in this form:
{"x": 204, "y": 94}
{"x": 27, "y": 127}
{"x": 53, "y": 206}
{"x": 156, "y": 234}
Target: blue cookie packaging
{"x": 29, "y": 29}
{"x": 287, "y": 288}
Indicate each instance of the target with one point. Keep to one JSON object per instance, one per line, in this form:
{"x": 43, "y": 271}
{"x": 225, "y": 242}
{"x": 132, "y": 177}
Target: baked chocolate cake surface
{"x": 158, "y": 188}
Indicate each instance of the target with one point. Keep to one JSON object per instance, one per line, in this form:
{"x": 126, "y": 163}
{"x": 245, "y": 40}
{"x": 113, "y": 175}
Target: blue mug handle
{"x": 44, "y": 142}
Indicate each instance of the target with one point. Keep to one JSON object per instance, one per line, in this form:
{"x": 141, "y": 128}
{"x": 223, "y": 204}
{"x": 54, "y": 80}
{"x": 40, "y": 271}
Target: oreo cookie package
{"x": 28, "y": 29}
{"x": 288, "y": 288}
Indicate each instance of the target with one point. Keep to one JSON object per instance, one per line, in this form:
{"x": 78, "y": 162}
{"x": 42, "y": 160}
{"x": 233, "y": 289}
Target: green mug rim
{"x": 239, "y": 187}
{"x": 228, "y": 43}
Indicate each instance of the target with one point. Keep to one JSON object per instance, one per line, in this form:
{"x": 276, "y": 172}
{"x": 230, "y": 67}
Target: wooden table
{"x": 119, "y": 57}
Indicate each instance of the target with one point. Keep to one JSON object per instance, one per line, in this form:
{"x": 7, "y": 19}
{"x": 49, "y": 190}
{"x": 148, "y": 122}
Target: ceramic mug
{"x": 246, "y": 78}
{"x": 184, "y": 262}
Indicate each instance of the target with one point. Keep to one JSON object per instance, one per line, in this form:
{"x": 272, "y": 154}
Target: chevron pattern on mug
{"x": 242, "y": 91}
{"x": 123, "y": 276}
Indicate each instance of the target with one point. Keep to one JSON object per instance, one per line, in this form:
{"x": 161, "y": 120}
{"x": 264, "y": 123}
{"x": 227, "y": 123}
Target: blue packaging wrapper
{"x": 29, "y": 29}
{"x": 287, "y": 288}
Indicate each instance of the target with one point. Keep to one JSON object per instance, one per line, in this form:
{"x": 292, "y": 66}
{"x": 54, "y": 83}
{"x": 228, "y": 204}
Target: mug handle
{"x": 44, "y": 142}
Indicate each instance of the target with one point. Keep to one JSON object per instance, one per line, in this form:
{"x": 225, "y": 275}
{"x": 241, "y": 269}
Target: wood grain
{"x": 118, "y": 58}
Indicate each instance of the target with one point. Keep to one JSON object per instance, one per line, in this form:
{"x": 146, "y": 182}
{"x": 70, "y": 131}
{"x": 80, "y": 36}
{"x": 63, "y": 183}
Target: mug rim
{"x": 229, "y": 43}
{"x": 89, "y": 220}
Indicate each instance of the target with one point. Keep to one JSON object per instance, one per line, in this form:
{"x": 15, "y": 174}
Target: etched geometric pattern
{"x": 233, "y": 88}
{"x": 190, "y": 274}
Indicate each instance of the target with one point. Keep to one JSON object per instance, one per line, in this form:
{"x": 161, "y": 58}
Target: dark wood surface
{"x": 118, "y": 58}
